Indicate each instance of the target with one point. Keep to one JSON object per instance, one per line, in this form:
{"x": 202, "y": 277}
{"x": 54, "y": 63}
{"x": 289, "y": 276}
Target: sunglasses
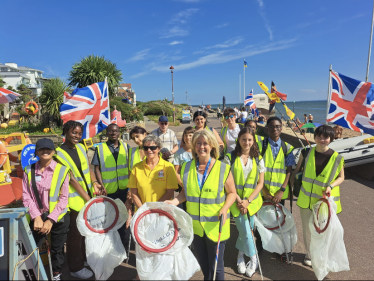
{"x": 152, "y": 147}
{"x": 227, "y": 117}
{"x": 163, "y": 123}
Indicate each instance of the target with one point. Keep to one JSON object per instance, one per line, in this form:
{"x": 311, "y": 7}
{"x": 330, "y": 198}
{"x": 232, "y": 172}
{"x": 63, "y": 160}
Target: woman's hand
{"x": 174, "y": 202}
{"x": 244, "y": 204}
{"x": 38, "y": 223}
{"x": 47, "y": 225}
{"x": 223, "y": 213}
{"x": 267, "y": 194}
{"x": 243, "y": 211}
{"x": 327, "y": 192}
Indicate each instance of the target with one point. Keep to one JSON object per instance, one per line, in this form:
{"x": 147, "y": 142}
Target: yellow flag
{"x": 289, "y": 112}
{"x": 272, "y": 96}
{"x": 263, "y": 86}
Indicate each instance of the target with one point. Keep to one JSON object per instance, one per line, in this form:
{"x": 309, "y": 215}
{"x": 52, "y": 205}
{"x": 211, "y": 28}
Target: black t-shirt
{"x": 321, "y": 159}
{"x": 73, "y": 153}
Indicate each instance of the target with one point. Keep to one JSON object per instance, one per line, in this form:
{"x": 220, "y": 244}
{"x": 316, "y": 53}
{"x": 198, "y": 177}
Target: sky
{"x": 289, "y": 42}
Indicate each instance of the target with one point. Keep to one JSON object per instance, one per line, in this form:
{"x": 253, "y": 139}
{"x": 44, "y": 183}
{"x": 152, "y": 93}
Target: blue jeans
{"x": 245, "y": 242}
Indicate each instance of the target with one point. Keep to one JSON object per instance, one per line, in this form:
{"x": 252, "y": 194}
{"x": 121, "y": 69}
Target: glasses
{"x": 275, "y": 127}
{"x": 152, "y": 147}
{"x": 113, "y": 132}
{"x": 227, "y": 117}
{"x": 163, "y": 123}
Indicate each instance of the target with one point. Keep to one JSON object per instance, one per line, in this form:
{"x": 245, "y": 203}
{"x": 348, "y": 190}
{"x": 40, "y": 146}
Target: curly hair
{"x": 71, "y": 125}
{"x": 254, "y": 151}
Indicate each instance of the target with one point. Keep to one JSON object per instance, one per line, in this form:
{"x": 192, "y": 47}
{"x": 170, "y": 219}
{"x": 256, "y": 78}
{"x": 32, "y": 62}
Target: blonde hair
{"x": 210, "y": 138}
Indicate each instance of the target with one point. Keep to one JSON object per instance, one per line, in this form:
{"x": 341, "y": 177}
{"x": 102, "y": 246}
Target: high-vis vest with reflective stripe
{"x": 134, "y": 157}
{"x": 76, "y": 202}
{"x": 244, "y": 188}
{"x": 275, "y": 170}
{"x": 259, "y": 140}
{"x": 59, "y": 175}
{"x": 312, "y": 187}
{"x": 114, "y": 175}
{"x": 204, "y": 206}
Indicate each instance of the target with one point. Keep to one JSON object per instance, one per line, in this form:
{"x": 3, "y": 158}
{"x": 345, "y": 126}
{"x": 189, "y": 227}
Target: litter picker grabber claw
{"x": 254, "y": 242}
{"x": 291, "y": 202}
{"x": 219, "y": 241}
{"x": 281, "y": 231}
{"x": 49, "y": 256}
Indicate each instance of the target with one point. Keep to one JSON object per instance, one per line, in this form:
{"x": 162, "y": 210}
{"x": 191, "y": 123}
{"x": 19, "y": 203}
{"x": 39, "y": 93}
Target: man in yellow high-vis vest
{"x": 112, "y": 171}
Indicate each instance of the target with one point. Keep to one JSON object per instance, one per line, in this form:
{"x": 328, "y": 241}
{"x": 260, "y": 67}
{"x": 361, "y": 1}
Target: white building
{"x": 15, "y": 75}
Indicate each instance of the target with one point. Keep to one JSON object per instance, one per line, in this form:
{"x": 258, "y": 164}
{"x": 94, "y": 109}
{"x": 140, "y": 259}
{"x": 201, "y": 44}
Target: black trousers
{"x": 59, "y": 234}
{"x": 205, "y": 250}
{"x": 123, "y": 232}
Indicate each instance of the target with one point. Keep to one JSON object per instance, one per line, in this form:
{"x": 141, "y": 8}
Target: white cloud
{"x": 222, "y": 25}
{"x": 221, "y": 57}
{"x": 141, "y": 55}
{"x": 308, "y": 90}
{"x": 175, "y": 31}
{"x": 183, "y": 16}
{"x": 263, "y": 15}
{"x": 175, "y": 43}
{"x": 228, "y": 43}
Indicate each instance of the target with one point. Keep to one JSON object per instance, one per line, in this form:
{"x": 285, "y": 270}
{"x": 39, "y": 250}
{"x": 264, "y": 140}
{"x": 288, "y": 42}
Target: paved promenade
{"x": 356, "y": 218}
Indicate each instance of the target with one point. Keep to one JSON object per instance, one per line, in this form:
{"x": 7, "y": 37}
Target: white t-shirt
{"x": 247, "y": 168}
{"x": 231, "y": 137}
{"x": 182, "y": 156}
{"x": 236, "y": 112}
{"x": 244, "y": 114}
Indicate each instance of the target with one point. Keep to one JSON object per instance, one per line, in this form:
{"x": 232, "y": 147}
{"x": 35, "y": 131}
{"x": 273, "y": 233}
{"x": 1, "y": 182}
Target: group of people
{"x": 216, "y": 175}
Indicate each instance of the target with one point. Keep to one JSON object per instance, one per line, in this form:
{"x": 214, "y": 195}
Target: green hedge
{"x": 128, "y": 111}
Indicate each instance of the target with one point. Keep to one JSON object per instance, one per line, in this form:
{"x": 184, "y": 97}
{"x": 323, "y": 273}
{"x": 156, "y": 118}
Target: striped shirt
{"x": 168, "y": 140}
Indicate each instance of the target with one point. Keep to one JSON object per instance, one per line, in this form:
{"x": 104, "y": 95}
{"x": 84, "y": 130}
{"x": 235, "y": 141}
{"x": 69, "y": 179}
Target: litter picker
{"x": 291, "y": 202}
{"x": 49, "y": 255}
{"x": 219, "y": 241}
{"x": 254, "y": 242}
{"x": 281, "y": 231}
{"x": 128, "y": 251}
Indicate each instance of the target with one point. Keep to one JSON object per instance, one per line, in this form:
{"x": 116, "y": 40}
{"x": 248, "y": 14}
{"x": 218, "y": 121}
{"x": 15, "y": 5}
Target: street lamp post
{"x": 186, "y": 98}
{"x": 172, "y": 91}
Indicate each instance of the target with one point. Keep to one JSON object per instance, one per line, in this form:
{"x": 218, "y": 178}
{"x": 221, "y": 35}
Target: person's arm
{"x": 279, "y": 194}
{"x": 297, "y": 169}
{"x": 230, "y": 196}
{"x": 100, "y": 180}
{"x": 78, "y": 188}
{"x": 178, "y": 171}
{"x": 219, "y": 140}
{"x": 167, "y": 196}
{"x": 135, "y": 197}
{"x": 339, "y": 180}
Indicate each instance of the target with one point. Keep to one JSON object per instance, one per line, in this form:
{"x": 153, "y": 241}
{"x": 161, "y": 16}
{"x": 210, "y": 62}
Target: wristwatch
{"x": 282, "y": 189}
{"x": 331, "y": 186}
{"x": 249, "y": 201}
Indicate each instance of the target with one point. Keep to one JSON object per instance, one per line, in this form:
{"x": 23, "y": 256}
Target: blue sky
{"x": 290, "y": 42}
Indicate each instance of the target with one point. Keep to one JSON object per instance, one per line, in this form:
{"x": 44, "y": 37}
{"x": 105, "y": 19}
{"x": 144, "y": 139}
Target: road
{"x": 356, "y": 218}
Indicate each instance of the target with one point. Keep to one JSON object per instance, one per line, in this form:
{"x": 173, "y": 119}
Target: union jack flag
{"x": 89, "y": 106}
{"x": 350, "y": 103}
{"x": 249, "y": 101}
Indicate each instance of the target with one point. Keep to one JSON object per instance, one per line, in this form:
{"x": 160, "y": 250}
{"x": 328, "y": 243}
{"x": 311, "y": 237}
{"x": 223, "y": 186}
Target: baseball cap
{"x": 44, "y": 143}
{"x": 163, "y": 119}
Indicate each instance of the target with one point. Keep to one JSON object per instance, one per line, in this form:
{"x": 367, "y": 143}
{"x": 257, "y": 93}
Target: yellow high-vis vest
{"x": 244, "y": 188}
{"x": 259, "y": 140}
{"x": 76, "y": 202}
{"x": 312, "y": 186}
{"x": 134, "y": 157}
{"x": 59, "y": 175}
{"x": 114, "y": 175}
{"x": 275, "y": 170}
{"x": 204, "y": 205}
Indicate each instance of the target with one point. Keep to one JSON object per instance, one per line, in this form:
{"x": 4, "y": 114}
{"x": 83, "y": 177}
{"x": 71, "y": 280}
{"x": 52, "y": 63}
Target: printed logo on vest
{"x": 161, "y": 174}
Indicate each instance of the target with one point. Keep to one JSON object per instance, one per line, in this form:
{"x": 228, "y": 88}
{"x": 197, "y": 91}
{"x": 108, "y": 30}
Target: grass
{"x": 29, "y": 128}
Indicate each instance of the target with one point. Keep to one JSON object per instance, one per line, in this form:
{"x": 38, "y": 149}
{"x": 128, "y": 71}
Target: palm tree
{"x": 93, "y": 69}
{"x": 53, "y": 95}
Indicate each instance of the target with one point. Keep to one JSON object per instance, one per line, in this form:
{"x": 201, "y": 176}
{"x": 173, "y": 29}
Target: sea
{"x": 316, "y": 108}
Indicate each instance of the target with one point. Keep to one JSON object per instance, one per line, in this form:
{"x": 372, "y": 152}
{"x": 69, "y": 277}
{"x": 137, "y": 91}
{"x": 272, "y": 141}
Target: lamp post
{"x": 186, "y": 98}
{"x": 172, "y": 91}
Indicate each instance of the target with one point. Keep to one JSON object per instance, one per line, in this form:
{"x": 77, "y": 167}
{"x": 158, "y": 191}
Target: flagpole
{"x": 244, "y": 80}
{"x": 371, "y": 37}
{"x": 240, "y": 87}
{"x": 328, "y": 94}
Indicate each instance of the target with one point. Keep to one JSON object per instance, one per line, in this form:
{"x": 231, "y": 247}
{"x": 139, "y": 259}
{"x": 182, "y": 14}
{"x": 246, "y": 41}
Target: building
{"x": 125, "y": 90}
{"x": 15, "y": 75}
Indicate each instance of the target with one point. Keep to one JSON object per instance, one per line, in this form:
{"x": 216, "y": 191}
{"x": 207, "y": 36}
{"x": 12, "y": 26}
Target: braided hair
{"x": 71, "y": 125}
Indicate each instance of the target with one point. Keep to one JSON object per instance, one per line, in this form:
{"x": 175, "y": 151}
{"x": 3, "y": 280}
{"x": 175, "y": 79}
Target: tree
{"x": 53, "y": 95}
{"x": 10, "y": 88}
{"x": 2, "y": 82}
{"x": 93, "y": 69}
{"x": 26, "y": 93}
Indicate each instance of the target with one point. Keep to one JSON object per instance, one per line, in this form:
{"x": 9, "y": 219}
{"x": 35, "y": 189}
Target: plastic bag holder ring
{"x": 161, "y": 213}
{"x": 100, "y": 200}
{"x": 280, "y": 208}
{"x": 325, "y": 200}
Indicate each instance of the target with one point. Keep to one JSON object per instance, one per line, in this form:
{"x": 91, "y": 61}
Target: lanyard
{"x": 205, "y": 172}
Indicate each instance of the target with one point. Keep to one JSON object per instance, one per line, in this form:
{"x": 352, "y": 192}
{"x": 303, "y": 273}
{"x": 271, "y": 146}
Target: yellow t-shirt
{"x": 152, "y": 185}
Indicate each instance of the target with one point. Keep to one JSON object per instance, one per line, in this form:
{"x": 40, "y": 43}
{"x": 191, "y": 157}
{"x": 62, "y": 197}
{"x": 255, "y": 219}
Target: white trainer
{"x": 251, "y": 268}
{"x": 241, "y": 265}
{"x": 307, "y": 262}
{"x": 84, "y": 273}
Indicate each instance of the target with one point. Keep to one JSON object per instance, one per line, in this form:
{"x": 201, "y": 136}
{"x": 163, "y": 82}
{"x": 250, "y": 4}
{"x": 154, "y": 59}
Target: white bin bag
{"x": 267, "y": 226}
{"x": 99, "y": 221}
{"x": 156, "y": 232}
{"x": 327, "y": 249}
